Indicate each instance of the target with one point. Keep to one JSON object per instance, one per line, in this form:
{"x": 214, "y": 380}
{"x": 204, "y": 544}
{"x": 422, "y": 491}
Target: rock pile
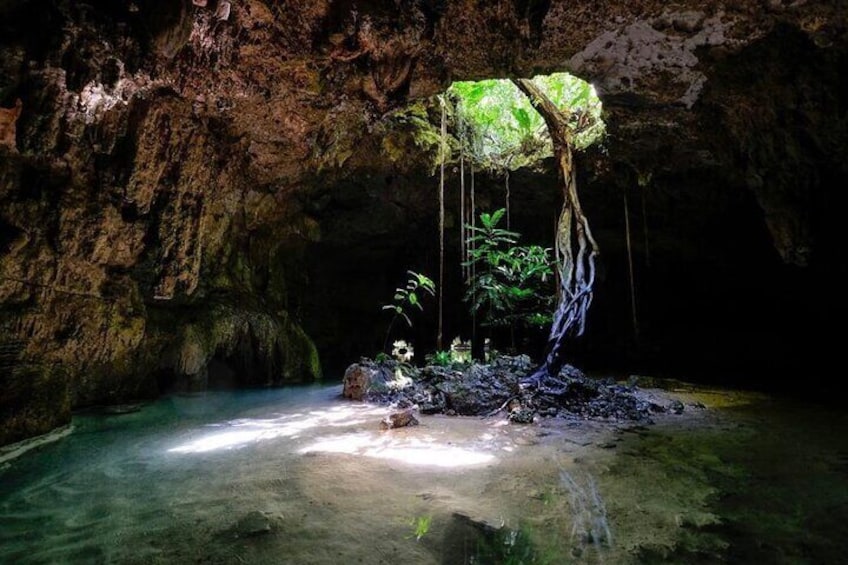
{"x": 486, "y": 389}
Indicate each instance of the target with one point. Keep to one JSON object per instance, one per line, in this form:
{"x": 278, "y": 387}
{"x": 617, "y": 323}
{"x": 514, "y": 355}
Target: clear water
{"x": 300, "y": 476}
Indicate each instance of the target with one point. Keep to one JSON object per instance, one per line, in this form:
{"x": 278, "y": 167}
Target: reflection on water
{"x": 588, "y": 512}
{"x": 299, "y": 476}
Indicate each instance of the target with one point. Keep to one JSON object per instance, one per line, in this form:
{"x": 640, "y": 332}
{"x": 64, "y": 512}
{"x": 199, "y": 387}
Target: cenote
{"x": 415, "y": 281}
{"x": 296, "y": 476}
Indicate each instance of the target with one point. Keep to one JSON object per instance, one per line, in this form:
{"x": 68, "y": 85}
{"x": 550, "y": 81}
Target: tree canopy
{"x": 503, "y": 130}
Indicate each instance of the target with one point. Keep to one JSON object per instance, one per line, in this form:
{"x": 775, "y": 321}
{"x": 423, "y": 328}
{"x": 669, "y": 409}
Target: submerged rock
{"x": 473, "y": 540}
{"x": 522, "y": 416}
{"x": 399, "y": 420}
{"x": 252, "y": 524}
{"x": 120, "y": 409}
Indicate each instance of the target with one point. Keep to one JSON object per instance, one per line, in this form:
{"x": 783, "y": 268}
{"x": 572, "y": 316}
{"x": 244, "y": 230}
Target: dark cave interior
{"x": 223, "y": 189}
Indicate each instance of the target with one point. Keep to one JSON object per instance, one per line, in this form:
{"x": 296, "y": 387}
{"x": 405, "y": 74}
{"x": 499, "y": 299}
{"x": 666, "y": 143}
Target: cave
{"x": 213, "y": 212}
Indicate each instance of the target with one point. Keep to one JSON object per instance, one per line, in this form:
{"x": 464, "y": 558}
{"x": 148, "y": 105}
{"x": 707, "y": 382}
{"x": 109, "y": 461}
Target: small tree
{"x": 406, "y": 298}
{"x": 506, "y": 133}
{"x": 512, "y": 283}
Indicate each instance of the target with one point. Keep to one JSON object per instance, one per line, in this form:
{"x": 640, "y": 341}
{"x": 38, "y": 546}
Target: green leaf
{"x": 522, "y": 117}
{"x": 497, "y": 215}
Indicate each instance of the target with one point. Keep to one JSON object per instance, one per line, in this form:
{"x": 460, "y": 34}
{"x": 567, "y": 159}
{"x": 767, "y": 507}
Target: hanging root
{"x": 502, "y": 407}
{"x": 576, "y": 249}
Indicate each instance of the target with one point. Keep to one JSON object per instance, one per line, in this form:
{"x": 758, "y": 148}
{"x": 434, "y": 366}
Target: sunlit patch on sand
{"x": 241, "y": 433}
{"x": 424, "y": 451}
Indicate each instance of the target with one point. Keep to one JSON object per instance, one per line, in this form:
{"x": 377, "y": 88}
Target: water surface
{"x": 300, "y": 476}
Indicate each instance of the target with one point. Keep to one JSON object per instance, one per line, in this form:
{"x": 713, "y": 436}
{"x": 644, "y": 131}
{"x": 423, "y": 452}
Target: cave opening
{"x": 500, "y": 129}
{"x": 494, "y": 148}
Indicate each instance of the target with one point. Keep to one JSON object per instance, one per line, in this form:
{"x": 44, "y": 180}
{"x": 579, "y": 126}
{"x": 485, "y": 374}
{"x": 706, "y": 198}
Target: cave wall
{"x": 178, "y": 171}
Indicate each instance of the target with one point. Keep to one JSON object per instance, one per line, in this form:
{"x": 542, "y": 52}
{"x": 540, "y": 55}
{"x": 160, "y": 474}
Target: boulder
{"x": 252, "y": 524}
{"x": 357, "y": 380}
{"x": 399, "y": 419}
{"x": 381, "y": 382}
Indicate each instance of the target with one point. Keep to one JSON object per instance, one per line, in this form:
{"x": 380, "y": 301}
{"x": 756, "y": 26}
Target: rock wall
{"x": 176, "y": 168}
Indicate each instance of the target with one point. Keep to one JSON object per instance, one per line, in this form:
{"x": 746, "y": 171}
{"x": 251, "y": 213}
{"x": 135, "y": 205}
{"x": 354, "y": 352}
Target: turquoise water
{"x": 300, "y": 476}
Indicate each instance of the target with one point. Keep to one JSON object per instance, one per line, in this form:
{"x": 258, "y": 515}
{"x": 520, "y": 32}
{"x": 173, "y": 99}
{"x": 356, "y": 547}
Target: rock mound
{"x": 485, "y": 389}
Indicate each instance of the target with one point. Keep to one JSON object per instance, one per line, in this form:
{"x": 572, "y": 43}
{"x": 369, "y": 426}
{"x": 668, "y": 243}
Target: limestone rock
{"x": 252, "y": 524}
{"x": 522, "y": 415}
{"x": 399, "y": 420}
{"x": 357, "y": 379}
{"x": 8, "y": 120}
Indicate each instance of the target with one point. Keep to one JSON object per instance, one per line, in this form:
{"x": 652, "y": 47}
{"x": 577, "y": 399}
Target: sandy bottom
{"x": 299, "y": 476}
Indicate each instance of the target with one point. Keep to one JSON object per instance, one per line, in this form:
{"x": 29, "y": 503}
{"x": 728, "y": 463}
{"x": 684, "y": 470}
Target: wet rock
{"x": 399, "y": 420}
{"x": 482, "y": 388}
{"x": 519, "y": 364}
{"x": 252, "y": 524}
{"x": 654, "y": 407}
{"x": 430, "y": 408}
{"x": 478, "y": 389}
{"x": 364, "y": 377}
{"x": 356, "y": 381}
{"x": 522, "y": 416}
{"x": 572, "y": 372}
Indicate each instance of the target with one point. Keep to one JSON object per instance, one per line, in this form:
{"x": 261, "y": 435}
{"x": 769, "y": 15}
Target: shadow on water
{"x": 469, "y": 541}
{"x": 765, "y": 481}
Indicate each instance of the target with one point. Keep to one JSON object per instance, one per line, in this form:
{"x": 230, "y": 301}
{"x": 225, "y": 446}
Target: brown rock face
{"x": 8, "y": 121}
{"x": 356, "y": 381}
{"x": 179, "y": 162}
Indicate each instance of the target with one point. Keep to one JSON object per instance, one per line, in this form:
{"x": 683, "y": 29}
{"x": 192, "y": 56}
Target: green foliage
{"x": 440, "y": 358}
{"x": 513, "y": 283}
{"x": 415, "y": 130}
{"x": 505, "y": 131}
{"x": 421, "y": 525}
{"x": 407, "y": 298}
{"x": 381, "y": 357}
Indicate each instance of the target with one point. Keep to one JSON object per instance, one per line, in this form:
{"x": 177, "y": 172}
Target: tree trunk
{"x": 575, "y": 247}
